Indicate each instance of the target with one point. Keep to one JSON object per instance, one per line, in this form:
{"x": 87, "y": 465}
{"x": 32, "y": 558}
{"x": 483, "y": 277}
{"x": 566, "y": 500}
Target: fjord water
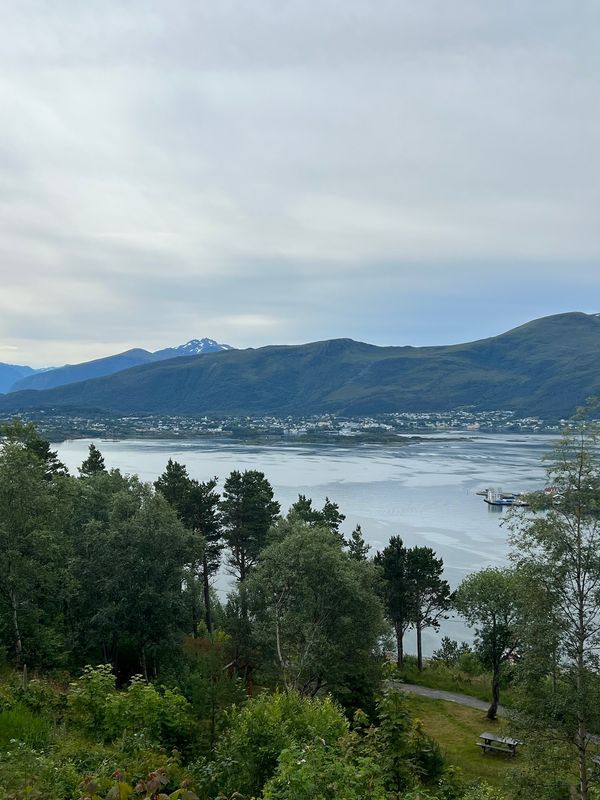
{"x": 424, "y": 492}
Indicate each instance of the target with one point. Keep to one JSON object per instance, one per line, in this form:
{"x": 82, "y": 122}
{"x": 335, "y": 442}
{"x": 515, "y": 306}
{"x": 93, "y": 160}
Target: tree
{"x": 398, "y": 599}
{"x": 357, "y": 547}
{"x": 430, "y": 596}
{"x": 317, "y": 618}
{"x": 327, "y": 517}
{"x": 131, "y": 554}
{"x": 28, "y": 437}
{"x": 93, "y": 463}
{"x": 197, "y": 506}
{"x": 558, "y": 551}
{"x": 247, "y": 512}
{"x": 34, "y": 553}
{"x": 488, "y": 600}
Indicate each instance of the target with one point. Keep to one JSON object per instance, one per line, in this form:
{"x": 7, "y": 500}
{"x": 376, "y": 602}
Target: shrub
{"x": 155, "y": 716}
{"x": 89, "y": 696}
{"x": 247, "y": 755}
{"x": 142, "y": 715}
{"x": 317, "y": 771}
{"x": 41, "y": 697}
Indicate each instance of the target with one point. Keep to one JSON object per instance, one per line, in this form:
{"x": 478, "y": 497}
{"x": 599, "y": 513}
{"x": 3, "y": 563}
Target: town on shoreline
{"x": 398, "y": 428}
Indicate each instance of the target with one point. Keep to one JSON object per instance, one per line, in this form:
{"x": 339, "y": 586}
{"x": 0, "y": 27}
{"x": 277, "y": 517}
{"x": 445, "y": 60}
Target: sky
{"x": 282, "y": 171}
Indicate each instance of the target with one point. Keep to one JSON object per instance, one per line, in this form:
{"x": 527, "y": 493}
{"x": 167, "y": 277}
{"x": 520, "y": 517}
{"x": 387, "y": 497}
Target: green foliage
{"x": 19, "y": 724}
{"x": 89, "y": 696}
{"x": 247, "y": 511}
{"x": 246, "y": 756}
{"x": 317, "y": 618}
{"x": 557, "y": 551}
{"x": 317, "y": 772}
{"x": 542, "y": 368}
{"x": 450, "y": 652}
{"x": 357, "y": 547}
{"x": 328, "y": 517}
{"x": 149, "y": 715}
{"x": 35, "y": 583}
{"x": 394, "y": 745}
{"x": 489, "y": 599}
{"x": 131, "y": 554}
{"x": 209, "y": 686}
{"x": 483, "y": 791}
{"x": 144, "y": 714}
{"x": 93, "y": 464}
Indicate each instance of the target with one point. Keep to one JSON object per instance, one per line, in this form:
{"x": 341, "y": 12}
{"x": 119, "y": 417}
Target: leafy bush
{"x": 142, "y": 715}
{"x": 247, "y": 755}
{"x": 153, "y": 787}
{"x": 42, "y": 697}
{"x": 450, "y": 651}
{"x": 89, "y": 697}
{"x": 316, "y": 771}
{"x": 158, "y": 716}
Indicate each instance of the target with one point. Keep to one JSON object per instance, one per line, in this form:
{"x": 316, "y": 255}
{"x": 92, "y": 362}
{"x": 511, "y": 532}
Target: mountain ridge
{"x": 545, "y": 367}
{"x": 109, "y": 365}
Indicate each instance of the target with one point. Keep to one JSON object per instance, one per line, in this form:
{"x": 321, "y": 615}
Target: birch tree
{"x": 558, "y": 550}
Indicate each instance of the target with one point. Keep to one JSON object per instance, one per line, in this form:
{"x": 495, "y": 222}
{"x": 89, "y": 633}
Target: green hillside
{"x": 545, "y": 367}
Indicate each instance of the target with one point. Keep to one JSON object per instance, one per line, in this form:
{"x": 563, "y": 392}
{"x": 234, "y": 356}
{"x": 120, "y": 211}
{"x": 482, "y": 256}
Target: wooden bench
{"x": 499, "y": 744}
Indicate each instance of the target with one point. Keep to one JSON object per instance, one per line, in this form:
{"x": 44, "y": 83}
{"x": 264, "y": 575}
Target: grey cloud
{"x": 280, "y": 171}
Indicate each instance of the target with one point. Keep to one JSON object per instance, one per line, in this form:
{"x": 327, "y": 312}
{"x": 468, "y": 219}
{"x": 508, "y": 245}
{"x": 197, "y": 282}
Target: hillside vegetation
{"x": 546, "y": 367}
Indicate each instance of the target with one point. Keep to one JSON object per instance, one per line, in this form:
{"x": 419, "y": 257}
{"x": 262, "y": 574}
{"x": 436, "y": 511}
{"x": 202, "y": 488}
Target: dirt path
{"x": 440, "y": 694}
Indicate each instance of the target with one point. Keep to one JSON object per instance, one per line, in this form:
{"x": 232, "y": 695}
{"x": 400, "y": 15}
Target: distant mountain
{"x": 546, "y": 367}
{"x": 9, "y": 373}
{"x": 195, "y": 347}
{"x": 100, "y": 367}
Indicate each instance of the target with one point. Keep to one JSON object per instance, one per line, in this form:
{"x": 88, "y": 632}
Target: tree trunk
{"x": 144, "y": 665}
{"x": 419, "y": 646}
{"x": 400, "y": 645}
{"x": 493, "y": 709}
{"x": 207, "y": 608}
{"x": 194, "y": 608}
{"x": 17, "y": 632}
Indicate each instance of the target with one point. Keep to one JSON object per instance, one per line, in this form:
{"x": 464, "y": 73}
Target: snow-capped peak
{"x": 196, "y": 347}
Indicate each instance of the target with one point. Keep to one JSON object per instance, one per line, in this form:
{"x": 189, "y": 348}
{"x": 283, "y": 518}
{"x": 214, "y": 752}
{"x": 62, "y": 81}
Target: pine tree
{"x": 358, "y": 549}
{"x": 93, "y": 464}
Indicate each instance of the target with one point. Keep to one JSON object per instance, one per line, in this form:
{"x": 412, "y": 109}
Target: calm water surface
{"x": 424, "y": 492}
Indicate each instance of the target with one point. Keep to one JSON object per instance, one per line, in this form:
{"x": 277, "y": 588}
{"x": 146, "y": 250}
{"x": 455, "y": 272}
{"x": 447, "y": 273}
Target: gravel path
{"x": 440, "y": 694}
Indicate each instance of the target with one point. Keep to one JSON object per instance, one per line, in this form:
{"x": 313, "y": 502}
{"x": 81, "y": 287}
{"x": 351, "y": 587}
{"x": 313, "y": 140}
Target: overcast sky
{"x": 402, "y": 172}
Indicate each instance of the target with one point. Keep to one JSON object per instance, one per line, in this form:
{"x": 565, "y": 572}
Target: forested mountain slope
{"x": 545, "y": 367}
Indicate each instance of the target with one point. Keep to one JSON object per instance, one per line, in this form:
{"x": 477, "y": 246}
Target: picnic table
{"x": 500, "y": 744}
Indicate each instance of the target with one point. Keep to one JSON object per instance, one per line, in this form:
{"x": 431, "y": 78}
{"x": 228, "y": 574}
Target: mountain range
{"x": 546, "y": 367}
{"x": 16, "y": 378}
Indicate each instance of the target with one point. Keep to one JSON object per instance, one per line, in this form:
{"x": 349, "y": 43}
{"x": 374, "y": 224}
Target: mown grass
{"x": 456, "y": 728}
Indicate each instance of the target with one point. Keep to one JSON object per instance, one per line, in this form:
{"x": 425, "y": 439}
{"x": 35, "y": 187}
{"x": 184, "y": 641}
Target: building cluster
{"x": 322, "y": 427}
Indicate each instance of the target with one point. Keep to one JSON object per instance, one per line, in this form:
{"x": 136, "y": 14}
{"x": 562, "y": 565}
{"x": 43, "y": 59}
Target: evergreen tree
{"x": 397, "y": 596}
{"x": 358, "y": 549}
{"x": 327, "y": 517}
{"x": 28, "y": 436}
{"x": 430, "y": 596}
{"x": 93, "y": 463}
{"x": 197, "y": 506}
{"x": 247, "y": 512}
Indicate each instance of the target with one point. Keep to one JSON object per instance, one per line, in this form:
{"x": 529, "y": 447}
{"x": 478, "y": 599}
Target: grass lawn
{"x": 439, "y": 676}
{"x": 456, "y": 728}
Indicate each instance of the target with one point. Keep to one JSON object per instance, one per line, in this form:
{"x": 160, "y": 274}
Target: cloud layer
{"x": 263, "y": 171}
